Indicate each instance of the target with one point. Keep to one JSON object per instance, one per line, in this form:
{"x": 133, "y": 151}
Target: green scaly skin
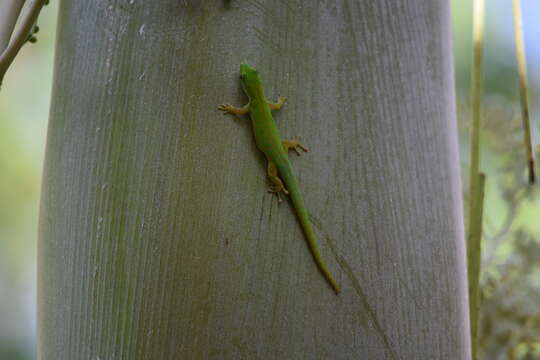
{"x": 279, "y": 168}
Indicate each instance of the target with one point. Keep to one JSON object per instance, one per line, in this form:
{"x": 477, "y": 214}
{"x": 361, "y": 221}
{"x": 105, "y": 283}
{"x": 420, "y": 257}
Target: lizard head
{"x": 251, "y": 81}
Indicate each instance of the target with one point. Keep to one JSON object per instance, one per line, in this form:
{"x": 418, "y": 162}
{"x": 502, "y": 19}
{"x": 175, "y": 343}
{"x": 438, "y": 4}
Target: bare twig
{"x": 476, "y": 85}
{"x": 9, "y": 13}
{"x": 20, "y": 37}
{"x": 523, "y": 88}
{"x": 476, "y": 179}
{"x": 474, "y": 255}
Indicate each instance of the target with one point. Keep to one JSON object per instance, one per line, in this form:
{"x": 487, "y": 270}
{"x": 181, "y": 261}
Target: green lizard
{"x": 269, "y": 142}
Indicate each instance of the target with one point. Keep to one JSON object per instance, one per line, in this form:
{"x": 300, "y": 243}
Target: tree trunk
{"x": 158, "y": 239}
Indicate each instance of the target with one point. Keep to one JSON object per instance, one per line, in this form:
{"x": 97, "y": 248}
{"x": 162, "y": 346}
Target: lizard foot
{"x": 277, "y": 105}
{"x": 281, "y": 100}
{"x": 226, "y": 108}
{"x": 277, "y": 189}
{"x": 229, "y": 109}
{"x": 294, "y": 144}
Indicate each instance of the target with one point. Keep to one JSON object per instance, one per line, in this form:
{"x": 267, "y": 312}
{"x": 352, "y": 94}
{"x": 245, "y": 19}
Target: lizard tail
{"x": 287, "y": 174}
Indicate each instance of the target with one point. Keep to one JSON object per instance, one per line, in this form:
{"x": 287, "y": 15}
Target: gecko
{"x": 280, "y": 171}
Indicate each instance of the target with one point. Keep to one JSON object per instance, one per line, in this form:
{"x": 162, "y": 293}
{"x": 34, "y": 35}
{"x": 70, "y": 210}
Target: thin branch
{"x": 476, "y": 179}
{"x": 523, "y": 88}
{"x": 20, "y": 37}
{"x": 9, "y": 13}
{"x": 476, "y": 85}
{"x": 474, "y": 256}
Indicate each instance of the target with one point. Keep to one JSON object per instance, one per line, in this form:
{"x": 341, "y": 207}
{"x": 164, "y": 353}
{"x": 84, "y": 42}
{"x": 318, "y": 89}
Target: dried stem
{"x": 474, "y": 256}
{"x": 9, "y": 13}
{"x": 20, "y": 37}
{"x": 476, "y": 180}
{"x": 523, "y": 87}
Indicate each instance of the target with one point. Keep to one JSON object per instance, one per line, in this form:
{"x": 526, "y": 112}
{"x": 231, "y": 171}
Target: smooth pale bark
{"x": 158, "y": 239}
{"x": 9, "y": 12}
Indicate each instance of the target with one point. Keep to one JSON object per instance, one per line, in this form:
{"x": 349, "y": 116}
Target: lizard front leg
{"x": 277, "y": 105}
{"x": 229, "y": 109}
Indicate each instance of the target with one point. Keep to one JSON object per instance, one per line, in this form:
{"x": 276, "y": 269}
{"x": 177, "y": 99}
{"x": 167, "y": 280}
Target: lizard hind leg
{"x": 294, "y": 144}
{"x": 277, "y": 186}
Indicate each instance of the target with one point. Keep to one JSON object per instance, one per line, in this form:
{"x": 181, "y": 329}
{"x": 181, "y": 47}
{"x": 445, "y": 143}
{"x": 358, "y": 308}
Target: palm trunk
{"x": 157, "y": 237}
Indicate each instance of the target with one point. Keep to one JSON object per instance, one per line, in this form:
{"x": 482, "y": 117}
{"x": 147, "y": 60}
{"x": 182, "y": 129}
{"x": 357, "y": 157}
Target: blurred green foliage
{"x": 510, "y": 275}
{"x": 510, "y": 280}
{"x": 24, "y": 104}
